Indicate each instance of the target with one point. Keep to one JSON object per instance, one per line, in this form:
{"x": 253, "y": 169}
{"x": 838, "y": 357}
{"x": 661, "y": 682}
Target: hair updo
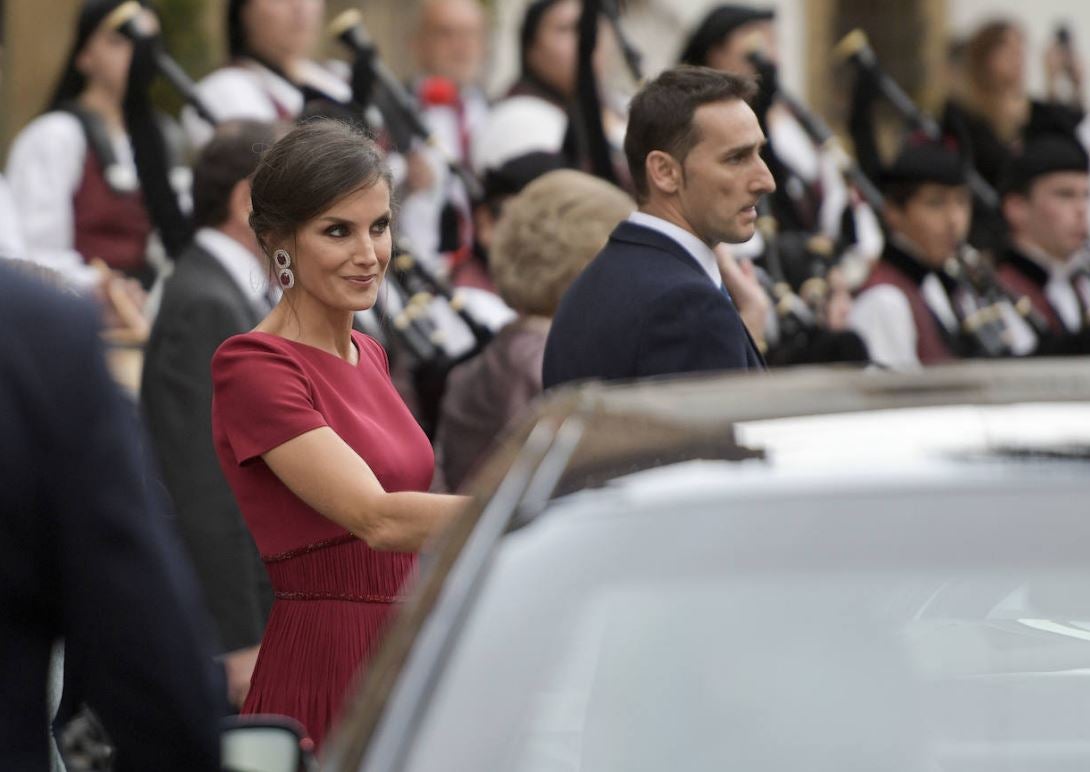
{"x": 313, "y": 167}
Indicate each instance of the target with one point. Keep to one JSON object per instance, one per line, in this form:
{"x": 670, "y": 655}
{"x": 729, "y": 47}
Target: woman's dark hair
{"x": 72, "y": 82}
{"x": 661, "y": 114}
{"x": 315, "y": 165}
{"x": 237, "y": 44}
{"x": 531, "y": 22}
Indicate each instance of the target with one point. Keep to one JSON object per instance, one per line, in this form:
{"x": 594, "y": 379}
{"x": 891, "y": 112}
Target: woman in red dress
{"x": 328, "y": 465}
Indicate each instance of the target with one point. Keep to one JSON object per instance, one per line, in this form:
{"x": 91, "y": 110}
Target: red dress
{"x": 334, "y": 594}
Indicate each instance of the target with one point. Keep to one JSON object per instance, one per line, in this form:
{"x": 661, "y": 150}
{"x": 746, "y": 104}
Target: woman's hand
{"x": 239, "y": 668}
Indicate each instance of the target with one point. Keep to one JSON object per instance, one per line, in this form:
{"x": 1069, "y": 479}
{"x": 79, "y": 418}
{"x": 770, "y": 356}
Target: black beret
{"x": 1043, "y": 155}
{"x": 925, "y": 162}
{"x": 518, "y": 172}
{"x": 717, "y": 25}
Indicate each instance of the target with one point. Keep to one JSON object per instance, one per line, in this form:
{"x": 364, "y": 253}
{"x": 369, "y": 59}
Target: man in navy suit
{"x": 87, "y": 555}
{"x": 654, "y": 302}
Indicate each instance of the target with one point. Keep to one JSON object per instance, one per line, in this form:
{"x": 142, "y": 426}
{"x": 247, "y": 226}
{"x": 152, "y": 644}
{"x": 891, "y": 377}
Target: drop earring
{"x": 284, "y": 275}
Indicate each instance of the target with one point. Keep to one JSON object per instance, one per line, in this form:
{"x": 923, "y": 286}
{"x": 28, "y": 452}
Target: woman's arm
{"x": 323, "y": 471}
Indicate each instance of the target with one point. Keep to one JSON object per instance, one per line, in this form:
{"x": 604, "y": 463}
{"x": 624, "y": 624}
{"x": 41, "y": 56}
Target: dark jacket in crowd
{"x": 644, "y": 307}
{"x": 202, "y": 307}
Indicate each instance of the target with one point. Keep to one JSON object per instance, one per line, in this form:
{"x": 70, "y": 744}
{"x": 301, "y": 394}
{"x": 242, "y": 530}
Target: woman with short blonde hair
{"x": 547, "y": 235}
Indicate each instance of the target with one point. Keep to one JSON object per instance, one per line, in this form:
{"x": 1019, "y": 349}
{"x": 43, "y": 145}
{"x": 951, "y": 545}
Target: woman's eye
{"x": 380, "y": 226}
{"x": 337, "y": 231}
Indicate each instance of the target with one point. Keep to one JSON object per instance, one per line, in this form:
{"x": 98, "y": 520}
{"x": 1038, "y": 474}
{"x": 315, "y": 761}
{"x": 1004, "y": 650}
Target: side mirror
{"x": 265, "y": 744}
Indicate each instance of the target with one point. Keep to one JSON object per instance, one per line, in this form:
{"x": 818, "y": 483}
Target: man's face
{"x": 1056, "y": 212}
{"x": 935, "y": 219}
{"x": 450, "y": 40}
{"x": 723, "y": 174}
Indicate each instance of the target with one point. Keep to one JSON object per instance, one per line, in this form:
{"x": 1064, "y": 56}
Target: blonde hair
{"x": 547, "y": 235}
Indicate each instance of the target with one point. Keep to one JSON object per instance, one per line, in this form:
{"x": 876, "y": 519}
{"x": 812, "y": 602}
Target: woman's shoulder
{"x": 253, "y": 346}
{"x": 58, "y": 127}
{"x": 227, "y": 78}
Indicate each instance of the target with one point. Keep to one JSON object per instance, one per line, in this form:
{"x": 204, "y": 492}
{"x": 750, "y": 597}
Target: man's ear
{"x": 1015, "y": 210}
{"x": 240, "y": 206}
{"x": 663, "y": 172}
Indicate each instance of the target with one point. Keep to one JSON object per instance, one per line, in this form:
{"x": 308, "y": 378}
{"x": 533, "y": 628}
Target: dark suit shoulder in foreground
{"x": 86, "y": 554}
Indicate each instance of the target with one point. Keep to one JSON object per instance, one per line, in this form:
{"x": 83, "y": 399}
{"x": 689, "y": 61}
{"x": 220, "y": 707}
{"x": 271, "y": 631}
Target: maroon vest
{"x": 931, "y": 346}
{"x": 112, "y": 226}
{"x": 1020, "y": 285}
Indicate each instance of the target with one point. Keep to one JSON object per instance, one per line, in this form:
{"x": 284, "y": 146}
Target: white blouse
{"x": 45, "y": 169}
{"x": 250, "y": 90}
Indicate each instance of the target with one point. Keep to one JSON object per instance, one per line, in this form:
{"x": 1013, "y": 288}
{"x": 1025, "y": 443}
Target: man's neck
{"x": 665, "y": 211}
{"x": 912, "y": 249}
{"x": 1039, "y": 254}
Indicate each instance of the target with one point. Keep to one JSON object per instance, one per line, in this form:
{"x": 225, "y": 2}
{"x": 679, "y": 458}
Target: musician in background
{"x": 449, "y": 48}
{"x": 270, "y": 75}
{"x": 72, "y": 171}
{"x": 533, "y": 116}
{"x": 497, "y": 188}
{"x": 811, "y": 195}
{"x": 993, "y": 109}
{"x": 547, "y": 234}
{"x": 906, "y": 309}
{"x": 1045, "y": 195}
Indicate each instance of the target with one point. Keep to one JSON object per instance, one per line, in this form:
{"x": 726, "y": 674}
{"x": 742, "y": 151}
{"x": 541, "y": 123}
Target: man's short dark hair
{"x": 230, "y": 157}
{"x": 661, "y": 114}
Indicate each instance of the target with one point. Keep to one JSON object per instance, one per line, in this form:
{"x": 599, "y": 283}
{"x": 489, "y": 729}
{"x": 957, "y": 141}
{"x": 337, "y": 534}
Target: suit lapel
{"x": 631, "y": 233}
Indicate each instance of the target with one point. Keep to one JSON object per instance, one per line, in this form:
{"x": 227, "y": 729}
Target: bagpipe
{"x": 801, "y": 268}
{"x": 374, "y": 83}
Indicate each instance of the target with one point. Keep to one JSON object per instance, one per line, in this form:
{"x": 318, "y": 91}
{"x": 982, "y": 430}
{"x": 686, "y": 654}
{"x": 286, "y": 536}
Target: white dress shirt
{"x": 12, "y": 243}
{"x": 1060, "y": 288}
{"x": 251, "y": 90}
{"x": 244, "y": 267}
{"x": 697, "y": 249}
{"x": 45, "y": 169}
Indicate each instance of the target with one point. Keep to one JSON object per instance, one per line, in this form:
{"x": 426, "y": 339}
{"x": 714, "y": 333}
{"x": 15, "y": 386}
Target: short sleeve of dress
{"x": 261, "y": 396}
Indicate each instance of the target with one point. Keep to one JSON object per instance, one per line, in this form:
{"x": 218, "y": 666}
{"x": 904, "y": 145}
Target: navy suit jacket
{"x": 644, "y": 307}
{"x": 87, "y": 554}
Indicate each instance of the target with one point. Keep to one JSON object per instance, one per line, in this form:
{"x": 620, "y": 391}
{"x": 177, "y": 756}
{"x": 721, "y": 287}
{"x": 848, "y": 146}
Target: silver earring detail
{"x": 285, "y": 276}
